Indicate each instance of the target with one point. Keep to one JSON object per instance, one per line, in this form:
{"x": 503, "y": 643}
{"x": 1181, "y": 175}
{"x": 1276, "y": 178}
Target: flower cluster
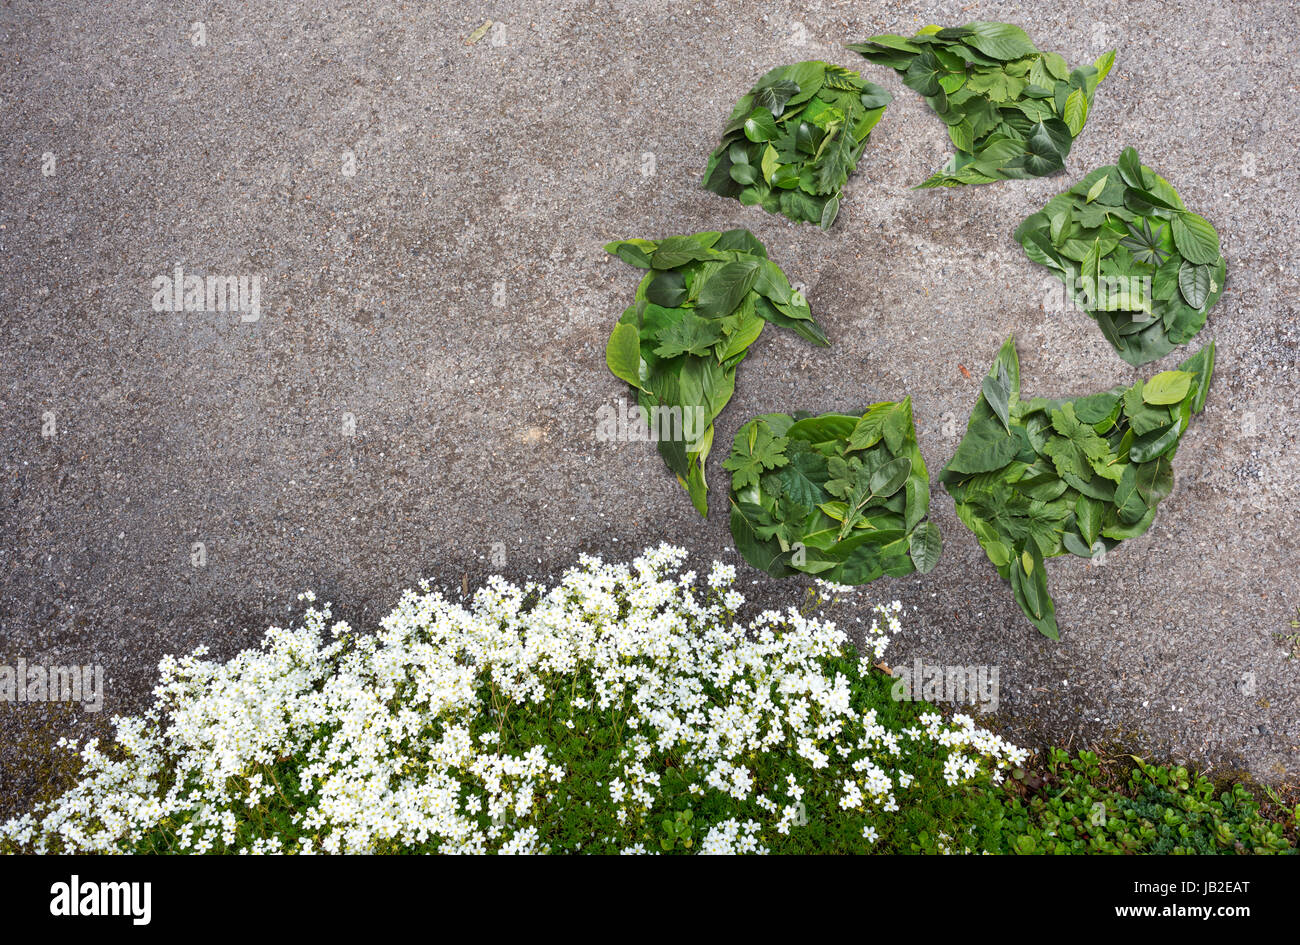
{"x": 583, "y": 716}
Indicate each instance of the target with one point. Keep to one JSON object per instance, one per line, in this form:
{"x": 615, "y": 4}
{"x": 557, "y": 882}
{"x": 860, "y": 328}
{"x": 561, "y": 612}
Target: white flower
{"x": 446, "y": 728}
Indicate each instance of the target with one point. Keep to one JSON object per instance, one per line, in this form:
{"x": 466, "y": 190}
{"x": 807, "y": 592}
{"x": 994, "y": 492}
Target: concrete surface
{"x": 453, "y": 297}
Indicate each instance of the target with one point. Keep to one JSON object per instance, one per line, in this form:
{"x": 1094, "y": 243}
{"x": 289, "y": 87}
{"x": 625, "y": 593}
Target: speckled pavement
{"x": 417, "y": 394}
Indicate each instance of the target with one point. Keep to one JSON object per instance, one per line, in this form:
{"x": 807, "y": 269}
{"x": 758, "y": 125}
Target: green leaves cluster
{"x": 701, "y": 305}
{"x": 792, "y": 142}
{"x": 1012, "y": 112}
{"x": 1131, "y": 255}
{"x": 838, "y": 496}
{"x": 1038, "y": 478}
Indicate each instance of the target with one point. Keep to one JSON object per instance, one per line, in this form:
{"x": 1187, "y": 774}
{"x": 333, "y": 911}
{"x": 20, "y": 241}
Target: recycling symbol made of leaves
{"x": 844, "y": 497}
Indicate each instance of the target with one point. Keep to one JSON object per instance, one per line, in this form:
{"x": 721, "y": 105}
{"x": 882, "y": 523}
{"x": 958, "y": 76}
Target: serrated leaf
{"x": 925, "y": 545}
{"x": 691, "y": 335}
{"x": 623, "y": 353}
{"x": 756, "y": 448}
{"x": 1077, "y": 445}
{"x": 1076, "y": 111}
{"x": 1195, "y": 238}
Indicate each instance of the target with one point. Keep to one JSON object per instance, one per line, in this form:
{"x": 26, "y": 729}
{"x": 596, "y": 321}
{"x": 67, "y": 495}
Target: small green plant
{"x": 624, "y": 710}
{"x": 1077, "y": 806}
{"x": 677, "y": 831}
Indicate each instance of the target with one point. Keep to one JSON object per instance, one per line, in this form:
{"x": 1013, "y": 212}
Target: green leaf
{"x": 1142, "y": 417}
{"x": 925, "y": 546}
{"x": 1046, "y": 147}
{"x": 889, "y": 478}
{"x": 1145, "y": 243}
{"x": 996, "y": 389}
{"x": 1194, "y": 283}
{"x": 1103, "y": 64}
{"x": 1156, "y": 443}
{"x": 1076, "y": 447}
{"x": 755, "y": 449}
{"x": 1195, "y": 238}
{"x": 870, "y": 429}
{"x": 1130, "y": 169}
{"x": 773, "y": 97}
{"x": 691, "y": 335}
{"x": 1096, "y": 189}
{"x": 667, "y": 288}
{"x": 1155, "y": 479}
{"x": 744, "y": 173}
{"x": 1076, "y": 111}
{"x": 804, "y": 476}
{"x": 760, "y": 126}
{"x": 1000, "y": 40}
{"x": 679, "y": 250}
{"x": 1167, "y": 387}
{"x": 1088, "y": 517}
{"x": 723, "y": 292}
{"x": 1030, "y": 588}
{"x": 623, "y": 353}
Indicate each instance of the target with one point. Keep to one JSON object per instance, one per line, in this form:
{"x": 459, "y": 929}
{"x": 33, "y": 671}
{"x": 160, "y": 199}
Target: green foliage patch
{"x": 1012, "y": 111}
{"x": 793, "y": 141}
{"x": 1038, "y": 478}
{"x": 1131, "y": 255}
{"x": 837, "y": 496}
{"x": 700, "y": 306}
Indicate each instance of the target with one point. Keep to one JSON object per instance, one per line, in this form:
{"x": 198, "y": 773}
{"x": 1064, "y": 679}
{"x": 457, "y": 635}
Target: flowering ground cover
{"x": 626, "y": 709}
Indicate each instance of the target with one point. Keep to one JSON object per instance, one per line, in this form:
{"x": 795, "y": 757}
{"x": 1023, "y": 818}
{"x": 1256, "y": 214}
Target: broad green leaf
{"x": 890, "y": 477}
{"x": 1000, "y": 40}
{"x": 623, "y": 353}
{"x": 1156, "y": 443}
{"x": 1076, "y": 111}
{"x": 925, "y": 546}
{"x": 726, "y": 288}
{"x": 760, "y": 126}
{"x": 1195, "y": 238}
{"x": 1088, "y": 516}
{"x": 1155, "y": 480}
{"x": 1167, "y": 387}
